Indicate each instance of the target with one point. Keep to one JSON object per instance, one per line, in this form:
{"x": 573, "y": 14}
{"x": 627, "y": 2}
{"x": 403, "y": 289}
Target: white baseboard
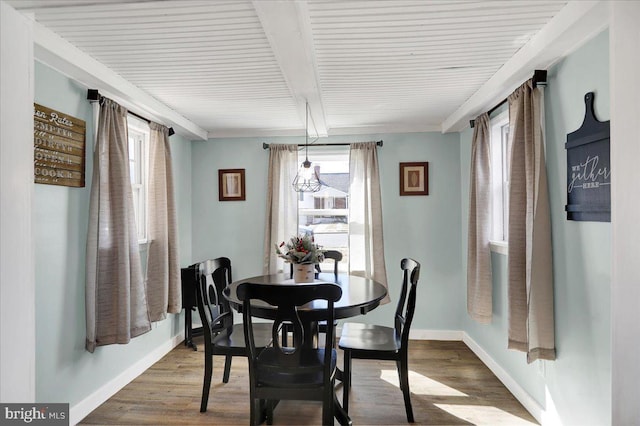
{"x": 455, "y": 335}
{"x": 93, "y": 401}
{"x": 530, "y": 404}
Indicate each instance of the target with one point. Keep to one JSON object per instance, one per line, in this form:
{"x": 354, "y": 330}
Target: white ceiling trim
{"x": 383, "y": 129}
{"x": 256, "y": 133}
{"x": 52, "y": 50}
{"x": 290, "y": 40}
{"x": 335, "y": 131}
{"x": 575, "y": 24}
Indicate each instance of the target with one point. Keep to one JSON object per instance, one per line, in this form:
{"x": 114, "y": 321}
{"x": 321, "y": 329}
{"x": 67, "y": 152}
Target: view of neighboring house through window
{"x": 500, "y": 177}
{"x": 138, "y": 166}
{"x": 325, "y": 213}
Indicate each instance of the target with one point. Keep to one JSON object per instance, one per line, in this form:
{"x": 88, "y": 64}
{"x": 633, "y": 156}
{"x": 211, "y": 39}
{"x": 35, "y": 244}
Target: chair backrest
{"x": 407, "y": 301}
{"x": 328, "y": 254}
{"x": 336, "y": 256}
{"x": 214, "y": 309}
{"x": 288, "y": 298}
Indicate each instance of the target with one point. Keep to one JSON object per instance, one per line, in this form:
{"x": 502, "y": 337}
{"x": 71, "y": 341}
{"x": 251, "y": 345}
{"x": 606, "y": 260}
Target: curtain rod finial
{"x": 472, "y": 123}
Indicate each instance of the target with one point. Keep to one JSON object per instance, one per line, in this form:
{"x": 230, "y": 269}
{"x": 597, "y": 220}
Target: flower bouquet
{"x": 300, "y": 249}
{"x": 303, "y": 253}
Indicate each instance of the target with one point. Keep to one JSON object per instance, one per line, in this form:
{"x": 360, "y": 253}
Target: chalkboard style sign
{"x": 59, "y": 147}
{"x": 589, "y": 169}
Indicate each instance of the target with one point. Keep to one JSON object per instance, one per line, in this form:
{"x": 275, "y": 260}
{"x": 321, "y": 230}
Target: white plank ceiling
{"x": 246, "y": 68}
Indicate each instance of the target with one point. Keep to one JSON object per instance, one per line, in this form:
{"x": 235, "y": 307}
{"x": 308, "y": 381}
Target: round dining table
{"x": 359, "y": 295}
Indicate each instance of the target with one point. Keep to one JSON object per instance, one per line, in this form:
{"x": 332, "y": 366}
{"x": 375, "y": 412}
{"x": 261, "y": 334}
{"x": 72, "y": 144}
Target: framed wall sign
{"x": 59, "y": 148}
{"x": 589, "y": 169}
{"x": 231, "y": 185}
{"x": 414, "y": 178}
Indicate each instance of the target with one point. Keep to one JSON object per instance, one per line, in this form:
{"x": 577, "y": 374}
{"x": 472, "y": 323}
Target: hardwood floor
{"x": 449, "y": 386}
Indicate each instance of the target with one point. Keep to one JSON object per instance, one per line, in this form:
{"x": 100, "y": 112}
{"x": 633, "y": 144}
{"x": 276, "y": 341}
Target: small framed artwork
{"x": 414, "y": 178}
{"x": 231, "y": 185}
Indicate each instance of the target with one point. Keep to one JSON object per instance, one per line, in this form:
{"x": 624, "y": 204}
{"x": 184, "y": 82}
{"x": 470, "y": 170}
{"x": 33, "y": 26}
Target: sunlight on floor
{"x": 483, "y": 415}
{"x": 420, "y": 385}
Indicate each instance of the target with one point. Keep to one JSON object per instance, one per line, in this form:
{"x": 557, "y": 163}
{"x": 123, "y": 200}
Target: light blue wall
{"x": 578, "y": 383}
{"x": 426, "y": 228}
{"x": 65, "y": 372}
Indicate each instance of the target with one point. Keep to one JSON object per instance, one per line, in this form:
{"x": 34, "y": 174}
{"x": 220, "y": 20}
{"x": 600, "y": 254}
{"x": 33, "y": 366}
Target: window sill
{"x": 500, "y": 247}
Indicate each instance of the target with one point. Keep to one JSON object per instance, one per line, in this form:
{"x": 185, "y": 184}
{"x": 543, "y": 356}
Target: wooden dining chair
{"x": 221, "y": 335}
{"x": 364, "y": 341}
{"x": 336, "y": 256}
{"x": 299, "y": 371}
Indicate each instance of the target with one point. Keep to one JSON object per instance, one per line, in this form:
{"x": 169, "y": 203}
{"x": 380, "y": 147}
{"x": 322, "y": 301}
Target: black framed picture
{"x": 414, "y": 178}
{"x": 231, "y": 186}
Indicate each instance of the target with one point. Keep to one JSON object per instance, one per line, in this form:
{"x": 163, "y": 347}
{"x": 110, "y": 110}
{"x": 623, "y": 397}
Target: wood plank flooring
{"x": 449, "y": 384}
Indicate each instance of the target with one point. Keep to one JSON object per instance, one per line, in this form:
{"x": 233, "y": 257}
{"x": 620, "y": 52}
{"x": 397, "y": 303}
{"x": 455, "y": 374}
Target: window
{"x": 500, "y": 177}
{"x": 138, "y": 166}
{"x": 326, "y": 213}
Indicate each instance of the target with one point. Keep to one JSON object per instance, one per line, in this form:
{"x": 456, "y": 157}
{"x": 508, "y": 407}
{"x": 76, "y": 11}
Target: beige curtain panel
{"x": 479, "y": 281}
{"x": 116, "y": 302}
{"x": 530, "y": 261}
{"x": 366, "y": 242}
{"x": 282, "y": 203}
{"x": 164, "y": 291}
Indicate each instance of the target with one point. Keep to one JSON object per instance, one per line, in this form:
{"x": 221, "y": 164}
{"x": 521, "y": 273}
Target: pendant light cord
{"x": 306, "y": 132}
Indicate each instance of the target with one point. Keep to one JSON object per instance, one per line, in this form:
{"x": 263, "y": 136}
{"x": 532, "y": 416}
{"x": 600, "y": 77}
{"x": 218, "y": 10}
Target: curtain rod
{"x": 94, "y": 96}
{"x": 539, "y": 78}
{"x": 266, "y": 145}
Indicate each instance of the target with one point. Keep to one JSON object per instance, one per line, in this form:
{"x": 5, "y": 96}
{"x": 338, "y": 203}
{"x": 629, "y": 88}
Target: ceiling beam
{"x": 286, "y": 24}
{"x": 54, "y": 51}
{"x": 573, "y": 26}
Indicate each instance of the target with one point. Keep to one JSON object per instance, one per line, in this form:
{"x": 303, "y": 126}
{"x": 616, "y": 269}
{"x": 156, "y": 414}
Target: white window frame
{"x": 318, "y": 156}
{"x": 139, "y": 134}
{"x": 499, "y": 126}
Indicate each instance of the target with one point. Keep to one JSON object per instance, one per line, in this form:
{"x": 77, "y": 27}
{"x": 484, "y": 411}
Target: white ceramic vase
{"x": 303, "y": 272}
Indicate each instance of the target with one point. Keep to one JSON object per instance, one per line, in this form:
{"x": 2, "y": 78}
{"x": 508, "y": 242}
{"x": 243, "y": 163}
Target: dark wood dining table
{"x": 359, "y": 296}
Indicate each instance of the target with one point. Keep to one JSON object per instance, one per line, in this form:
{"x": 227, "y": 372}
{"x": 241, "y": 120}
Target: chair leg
{"x": 269, "y": 413}
{"x": 327, "y": 407}
{"x": 254, "y": 411}
{"x": 227, "y": 368}
{"x": 346, "y": 380}
{"x": 399, "y": 368}
{"x": 404, "y": 385}
{"x": 206, "y": 385}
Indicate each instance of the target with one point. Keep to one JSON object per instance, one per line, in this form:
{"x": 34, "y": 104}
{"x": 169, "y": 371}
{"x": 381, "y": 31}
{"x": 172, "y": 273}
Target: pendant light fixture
{"x": 307, "y": 179}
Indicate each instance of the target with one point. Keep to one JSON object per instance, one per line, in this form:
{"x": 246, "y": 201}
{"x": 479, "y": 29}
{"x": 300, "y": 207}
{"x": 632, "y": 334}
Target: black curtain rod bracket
{"x": 539, "y": 79}
{"x": 94, "y": 96}
{"x": 266, "y": 145}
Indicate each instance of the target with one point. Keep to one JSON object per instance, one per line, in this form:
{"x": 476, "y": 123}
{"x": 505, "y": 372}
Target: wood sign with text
{"x": 59, "y": 147}
{"x": 589, "y": 169}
